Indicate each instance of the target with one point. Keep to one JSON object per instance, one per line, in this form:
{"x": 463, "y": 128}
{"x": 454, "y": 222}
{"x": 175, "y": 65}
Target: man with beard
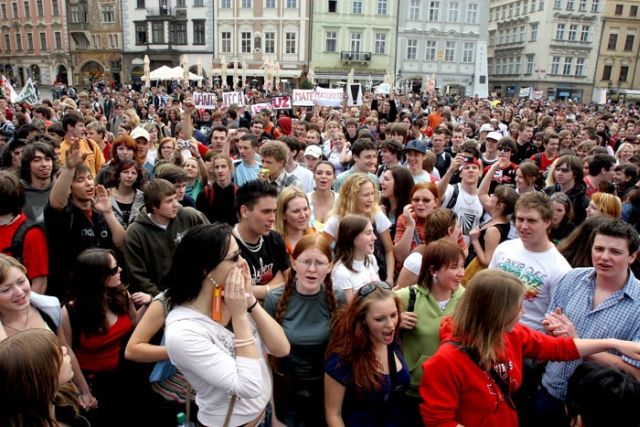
{"x": 78, "y": 216}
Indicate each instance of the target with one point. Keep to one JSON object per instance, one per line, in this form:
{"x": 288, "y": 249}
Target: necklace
{"x": 467, "y": 198}
{"x": 252, "y": 248}
{"x": 24, "y": 327}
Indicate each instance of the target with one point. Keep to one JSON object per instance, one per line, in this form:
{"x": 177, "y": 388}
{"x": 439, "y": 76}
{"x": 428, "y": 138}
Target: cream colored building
{"x": 547, "y": 45}
{"x": 250, "y": 33}
{"x": 618, "y": 63}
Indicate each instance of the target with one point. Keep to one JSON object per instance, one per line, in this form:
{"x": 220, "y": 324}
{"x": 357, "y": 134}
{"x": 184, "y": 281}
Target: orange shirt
{"x": 94, "y": 160}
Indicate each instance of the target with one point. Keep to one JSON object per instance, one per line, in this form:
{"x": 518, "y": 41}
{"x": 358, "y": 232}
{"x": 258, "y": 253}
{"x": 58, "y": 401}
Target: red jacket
{"x": 456, "y": 391}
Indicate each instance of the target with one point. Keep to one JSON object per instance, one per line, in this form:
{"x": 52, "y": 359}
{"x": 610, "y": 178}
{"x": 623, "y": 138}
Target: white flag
{"x": 8, "y": 90}
{"x": 29, "y": 94}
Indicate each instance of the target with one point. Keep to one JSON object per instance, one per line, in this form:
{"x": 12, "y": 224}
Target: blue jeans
{"x": 550, "y": 411}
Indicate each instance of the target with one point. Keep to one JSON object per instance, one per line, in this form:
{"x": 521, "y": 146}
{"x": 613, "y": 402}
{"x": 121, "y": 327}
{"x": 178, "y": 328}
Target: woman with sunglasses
{"x": 96, "y": 322}
{"x": 502, "y": 171}
{"x": 365, "y": 374}
{"x": 215, "y": 330}
{"x": 410, "y": 225}
{"x": 471, "y": 378}
{"x": 305, "y": 307}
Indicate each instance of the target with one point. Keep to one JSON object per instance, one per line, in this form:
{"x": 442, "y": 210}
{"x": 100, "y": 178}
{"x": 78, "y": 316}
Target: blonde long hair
{"x": 286, "y": 195}
{"x": 348, "y": 199}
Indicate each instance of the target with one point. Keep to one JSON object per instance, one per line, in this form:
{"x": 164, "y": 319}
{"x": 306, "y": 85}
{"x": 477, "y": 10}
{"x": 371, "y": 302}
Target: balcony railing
{"x": 161, "y": 12}
{"x": 78, "y": 26}
{"x": 348, "y": 56}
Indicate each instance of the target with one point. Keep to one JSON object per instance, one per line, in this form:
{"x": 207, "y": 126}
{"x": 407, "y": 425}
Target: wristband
{"x": 252, "y": 306}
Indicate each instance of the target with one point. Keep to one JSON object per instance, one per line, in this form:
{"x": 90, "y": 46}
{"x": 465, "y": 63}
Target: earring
{"x": 435, "y": 277}
{"x": 213, "y": 282}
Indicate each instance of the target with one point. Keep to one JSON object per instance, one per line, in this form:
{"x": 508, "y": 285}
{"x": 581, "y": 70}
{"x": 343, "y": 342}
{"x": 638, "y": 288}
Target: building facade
{"x": 353, "y": 35}
{"x": 166, "y": 31}
{"x": 95, "y": 38}
{"x": 34, "y": 42}
{"x": 550, "y": 46}
{"x": 250, "y": 33}
{"x": 618, "y": 68}
{"x": 440, "y": 40}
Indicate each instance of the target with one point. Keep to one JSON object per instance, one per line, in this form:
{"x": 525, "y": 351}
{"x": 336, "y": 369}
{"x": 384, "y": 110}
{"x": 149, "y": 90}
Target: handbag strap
{"x": 227, "y": 418}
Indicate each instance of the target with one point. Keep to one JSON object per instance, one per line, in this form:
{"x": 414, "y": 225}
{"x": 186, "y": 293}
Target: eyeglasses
{"x": 372, "y": 286}
{"x": 504, "y": 149}
{"x": 234, "y": 258}
{"x": 419, "y": 200}
{"x": 113, "y": 271}
{"x": 563, "y": 170}
{"x": 307, "y": 263}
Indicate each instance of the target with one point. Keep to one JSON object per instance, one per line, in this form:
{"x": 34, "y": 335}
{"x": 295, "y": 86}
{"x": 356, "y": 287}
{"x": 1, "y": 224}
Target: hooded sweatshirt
{"x": 148, "y": 248}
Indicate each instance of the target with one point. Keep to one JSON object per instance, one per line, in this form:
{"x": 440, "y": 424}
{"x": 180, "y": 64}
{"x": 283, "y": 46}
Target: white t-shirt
{"x": 305, "y": 176}
{"x": 539, "y": 272}
{"x": 467, "y": 207}
{"x": 413, "y": 263}
{"x": 381, "y": 220}
{"x": 344, "y": 278}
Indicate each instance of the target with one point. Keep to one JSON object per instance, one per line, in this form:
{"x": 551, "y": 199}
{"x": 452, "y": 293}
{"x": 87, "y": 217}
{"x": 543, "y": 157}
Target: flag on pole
{"x": 29, "y": 94}
{"x": 8, "y": 90}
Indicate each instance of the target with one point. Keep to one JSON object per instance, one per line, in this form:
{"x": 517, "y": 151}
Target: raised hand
{"x": 102, "y": 201}
{"x": 74, "y": 157}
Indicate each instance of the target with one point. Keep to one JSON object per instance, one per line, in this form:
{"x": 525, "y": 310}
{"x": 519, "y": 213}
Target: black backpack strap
{"x": 454, "y": 196}
{"x": 17, "y": 242}
{"x": 209, "y": 193}
{"x": 412, "y": 299}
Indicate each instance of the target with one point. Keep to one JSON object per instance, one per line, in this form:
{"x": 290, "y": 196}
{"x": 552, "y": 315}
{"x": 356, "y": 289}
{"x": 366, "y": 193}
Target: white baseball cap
{"x": 313, "y": 151}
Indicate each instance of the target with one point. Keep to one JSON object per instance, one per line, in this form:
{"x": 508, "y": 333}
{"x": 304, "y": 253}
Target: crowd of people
{"x": 403, "y": 262}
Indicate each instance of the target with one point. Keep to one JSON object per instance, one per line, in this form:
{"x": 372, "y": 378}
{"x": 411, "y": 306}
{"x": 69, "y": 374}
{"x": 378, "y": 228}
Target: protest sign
{"x": 281, "y": 103}
{"x": 229, "y": 98}
{"x": 205, "y": 101}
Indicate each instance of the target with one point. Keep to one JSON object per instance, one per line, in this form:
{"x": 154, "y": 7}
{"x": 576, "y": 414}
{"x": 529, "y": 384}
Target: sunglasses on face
{"x": 504, "y": 149}
{"x": 113, "y": 271}
{"x": 372, "y": 286}
{"x": 234, "y": 258}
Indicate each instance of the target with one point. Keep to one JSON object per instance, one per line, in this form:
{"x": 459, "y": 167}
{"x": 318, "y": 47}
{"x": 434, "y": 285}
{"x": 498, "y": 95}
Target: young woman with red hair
{"x": 365, "y": 375}
{"x": 305, "y": 307}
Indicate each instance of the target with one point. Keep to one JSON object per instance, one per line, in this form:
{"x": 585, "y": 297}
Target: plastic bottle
{"x": 182, "y": 419}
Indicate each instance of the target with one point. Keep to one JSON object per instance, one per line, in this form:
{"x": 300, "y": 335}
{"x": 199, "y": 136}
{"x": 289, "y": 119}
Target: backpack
{"x": 454, "y": 197}
{"x": 17, "y": 241}
{"x": 538, "y": 160}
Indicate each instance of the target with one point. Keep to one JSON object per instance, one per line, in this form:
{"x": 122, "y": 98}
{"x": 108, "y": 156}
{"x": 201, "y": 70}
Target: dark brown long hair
{"x": 91, "y": 298}
{"x": 351, "y": 340}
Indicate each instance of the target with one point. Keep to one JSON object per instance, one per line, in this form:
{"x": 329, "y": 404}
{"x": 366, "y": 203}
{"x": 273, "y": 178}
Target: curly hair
{"x": 348, "y": 196}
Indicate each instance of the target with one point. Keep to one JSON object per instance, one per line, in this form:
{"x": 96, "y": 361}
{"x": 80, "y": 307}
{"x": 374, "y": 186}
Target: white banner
{"x": 205, "y": 101}
{"x": 525, "y": 92}
{"x": 281, "y": 103}
{"x": 329, "y": 97}
{"x": 384, "y": 88}
{"x": 302, "y": 97}
{"x": 537, "y": 95}
{"x": 256, "y": 108}
{"x": 229, "y": 98}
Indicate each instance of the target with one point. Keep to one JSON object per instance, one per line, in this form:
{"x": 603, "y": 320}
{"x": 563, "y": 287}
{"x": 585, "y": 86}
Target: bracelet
{"x": 246, "y": 344}
{"x": 245, "y": 340}
{"x": 252, "y": 306}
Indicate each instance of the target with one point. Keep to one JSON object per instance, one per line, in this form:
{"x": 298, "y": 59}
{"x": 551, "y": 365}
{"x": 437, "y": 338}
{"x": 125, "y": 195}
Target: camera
{"x": 184, "y": 144}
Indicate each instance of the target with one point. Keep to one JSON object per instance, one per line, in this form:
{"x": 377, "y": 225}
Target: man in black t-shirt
{"x": 263, "y": 248}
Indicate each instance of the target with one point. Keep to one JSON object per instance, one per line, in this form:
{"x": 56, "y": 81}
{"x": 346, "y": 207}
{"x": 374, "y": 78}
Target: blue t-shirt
{"x": 383, "y": 408}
